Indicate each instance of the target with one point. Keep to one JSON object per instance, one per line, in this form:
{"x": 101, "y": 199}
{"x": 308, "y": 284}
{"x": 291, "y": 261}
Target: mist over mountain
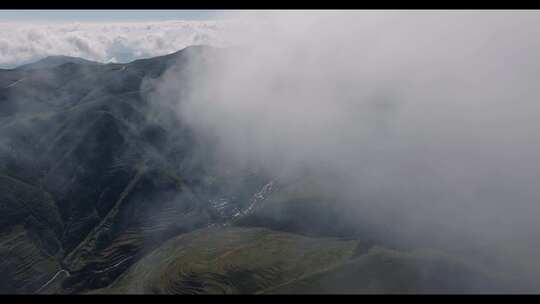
{"x": 328, "y": 152}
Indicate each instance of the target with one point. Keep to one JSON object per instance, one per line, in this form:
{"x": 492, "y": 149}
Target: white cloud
{"x": 105, "y": 42}
{"x": 428, "y": 119}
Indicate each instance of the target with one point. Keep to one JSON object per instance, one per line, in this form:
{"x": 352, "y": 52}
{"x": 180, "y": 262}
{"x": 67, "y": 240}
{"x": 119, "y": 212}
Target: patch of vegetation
{"x": 230, "y": 260}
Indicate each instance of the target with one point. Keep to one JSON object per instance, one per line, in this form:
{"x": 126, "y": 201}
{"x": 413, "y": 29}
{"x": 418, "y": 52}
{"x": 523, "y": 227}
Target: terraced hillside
{"x": 231, "y": 260}
{"x": 258, "y": 260}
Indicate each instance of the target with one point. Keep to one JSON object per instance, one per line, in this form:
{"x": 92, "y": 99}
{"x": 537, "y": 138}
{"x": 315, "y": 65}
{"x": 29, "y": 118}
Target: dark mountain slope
{"x": 123, "y": 173}
{"x": 30, "y": 232}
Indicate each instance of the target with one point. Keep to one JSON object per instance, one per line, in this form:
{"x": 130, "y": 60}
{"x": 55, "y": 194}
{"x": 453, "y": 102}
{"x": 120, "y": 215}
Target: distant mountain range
{"x": 105, "y": 190}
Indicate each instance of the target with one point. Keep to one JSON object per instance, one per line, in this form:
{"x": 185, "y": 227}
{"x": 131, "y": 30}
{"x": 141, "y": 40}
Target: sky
{"x": 106, "y": 15}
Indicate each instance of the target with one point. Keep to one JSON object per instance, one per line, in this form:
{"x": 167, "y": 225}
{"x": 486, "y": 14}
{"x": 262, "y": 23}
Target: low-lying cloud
{"x": 431, "y": 114}
{"x": 103, "y": 42}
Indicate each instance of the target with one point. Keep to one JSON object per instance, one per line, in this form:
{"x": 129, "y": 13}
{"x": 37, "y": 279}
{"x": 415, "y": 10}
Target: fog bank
{"x": 431, "y": 114}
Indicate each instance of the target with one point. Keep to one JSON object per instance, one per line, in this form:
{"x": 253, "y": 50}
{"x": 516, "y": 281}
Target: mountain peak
{"x": 54, "y": 60}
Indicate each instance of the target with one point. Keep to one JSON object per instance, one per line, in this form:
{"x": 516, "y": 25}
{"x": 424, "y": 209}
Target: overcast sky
{"x": 106, "y": 15}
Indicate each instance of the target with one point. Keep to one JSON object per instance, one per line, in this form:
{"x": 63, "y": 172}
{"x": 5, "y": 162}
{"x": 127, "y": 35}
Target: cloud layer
{"x": 430, "y": 115}
{"x": 104, "y": 42}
